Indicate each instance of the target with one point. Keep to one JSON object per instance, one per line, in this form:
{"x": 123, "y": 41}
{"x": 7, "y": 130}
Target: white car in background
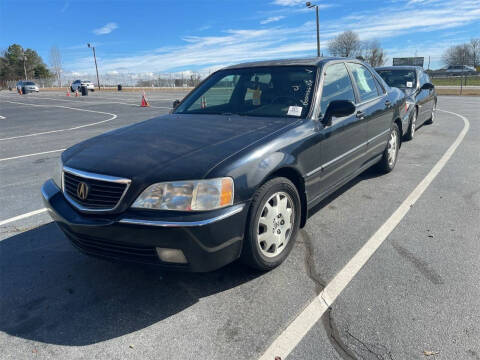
{"x": 77, "y": 85}
{"x": 460, "y": 69}
{"x": 27, "y": 86}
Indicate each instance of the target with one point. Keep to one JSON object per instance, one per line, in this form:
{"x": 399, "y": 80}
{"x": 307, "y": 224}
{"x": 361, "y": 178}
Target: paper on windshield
{"x": 409, "y": 84}
{"x": 295, "y": 111}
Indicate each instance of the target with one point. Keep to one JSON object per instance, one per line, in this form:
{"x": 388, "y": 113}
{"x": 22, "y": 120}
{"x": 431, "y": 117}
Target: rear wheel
{"x": 412, "y": 127}
{"x": 432, "y": 116}
{"x": 390, "y": 155}
{"x": 273, "y": 224}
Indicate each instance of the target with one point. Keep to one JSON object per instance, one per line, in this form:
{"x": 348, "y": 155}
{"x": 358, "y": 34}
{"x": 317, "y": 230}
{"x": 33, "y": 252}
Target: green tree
{"x": 15, "y": 61}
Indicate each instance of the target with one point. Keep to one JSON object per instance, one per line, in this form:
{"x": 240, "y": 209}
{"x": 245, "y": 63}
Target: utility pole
{"x": 310, "y": 5}
{"x": 25, "y": 66}
{"x": 96, "y": 67}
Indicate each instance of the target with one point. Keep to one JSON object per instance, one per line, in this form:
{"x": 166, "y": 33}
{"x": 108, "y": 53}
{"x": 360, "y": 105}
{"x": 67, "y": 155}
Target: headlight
{"x": 196, "y": 195}
{"x": 58, "y": 173}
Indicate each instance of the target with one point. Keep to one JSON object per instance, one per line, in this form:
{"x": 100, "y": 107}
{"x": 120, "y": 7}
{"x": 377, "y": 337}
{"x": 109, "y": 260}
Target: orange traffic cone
{"x": 144, "y": 101}
{"x": 68, "y": 92}
{"x": 76, "y": 93}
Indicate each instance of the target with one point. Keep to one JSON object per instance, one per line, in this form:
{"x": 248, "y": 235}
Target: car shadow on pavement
{"x": 53, "y": 294}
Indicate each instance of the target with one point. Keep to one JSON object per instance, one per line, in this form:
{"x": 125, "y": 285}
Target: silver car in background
{"x": 27, "y": 86}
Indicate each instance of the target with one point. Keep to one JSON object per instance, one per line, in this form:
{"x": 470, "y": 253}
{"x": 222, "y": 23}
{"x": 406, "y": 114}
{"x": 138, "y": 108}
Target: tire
{"x": 389, "y": 158}
{"x": 263, "y": 250}
{"x": 432, "y": 116}
{"x": 412, "y": 126}
{"x": 71, "y": 88}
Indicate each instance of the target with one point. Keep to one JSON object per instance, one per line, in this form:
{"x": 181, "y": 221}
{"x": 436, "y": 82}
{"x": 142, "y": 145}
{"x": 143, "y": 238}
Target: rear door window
{"x": 365, "y": 82}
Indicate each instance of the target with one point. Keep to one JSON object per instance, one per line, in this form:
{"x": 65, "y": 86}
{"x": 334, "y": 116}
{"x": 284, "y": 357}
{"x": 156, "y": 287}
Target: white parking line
{"x": 23, "y": 216}
{"x": 299, "y": 327}
{"x": 113, "y": 117}
{"x": 100, "y": 103}
{"x": 28, "y": 155}
{"x": 2, "y": 117}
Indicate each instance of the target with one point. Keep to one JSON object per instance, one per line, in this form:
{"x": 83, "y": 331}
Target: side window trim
{"x": 354, "y": 83}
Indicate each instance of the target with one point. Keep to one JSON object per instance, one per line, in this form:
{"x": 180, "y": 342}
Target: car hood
{"x": 171, "y": 147}
{"x": 407, "y": 91}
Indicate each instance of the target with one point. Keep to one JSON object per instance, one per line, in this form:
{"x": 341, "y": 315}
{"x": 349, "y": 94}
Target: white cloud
{"x": 275, "y": 41}
{"x": 288, "y": 2}
{"x": 106, "y": 29}
{"x": 272, "y": 19}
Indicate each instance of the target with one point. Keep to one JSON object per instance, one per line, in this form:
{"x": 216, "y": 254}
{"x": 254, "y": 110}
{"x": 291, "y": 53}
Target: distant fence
{"x": 447, "y": 79}
{"x": 174, "y": 80}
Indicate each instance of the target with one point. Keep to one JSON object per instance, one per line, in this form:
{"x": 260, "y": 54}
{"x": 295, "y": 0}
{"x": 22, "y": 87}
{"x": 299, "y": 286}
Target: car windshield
{"x": 399, "y": 78}
{"x": 29, "y": 83}
{"x": 276, "y": 91}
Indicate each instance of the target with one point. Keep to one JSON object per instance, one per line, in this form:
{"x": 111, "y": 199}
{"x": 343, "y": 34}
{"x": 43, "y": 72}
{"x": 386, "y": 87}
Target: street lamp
{"x": 310, "y": 5}
{"x": 96, "y": 67}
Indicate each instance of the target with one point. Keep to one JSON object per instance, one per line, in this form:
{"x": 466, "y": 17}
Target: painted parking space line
{"x": 112, "y": 117}
{"x": 291, "y": 336}
{"x": 2, "y": 117}
{"x": 29, "y": 155}
{"x": 23, "y": 216}
{"x": 108, "y": 101}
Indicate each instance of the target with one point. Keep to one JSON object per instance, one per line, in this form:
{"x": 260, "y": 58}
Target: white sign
{"x": 295, "y": 111}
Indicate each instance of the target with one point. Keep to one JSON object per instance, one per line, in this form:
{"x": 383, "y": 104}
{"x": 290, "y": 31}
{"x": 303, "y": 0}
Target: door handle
{"x": 360, "y": 115}
{"x": 388, "y": 103}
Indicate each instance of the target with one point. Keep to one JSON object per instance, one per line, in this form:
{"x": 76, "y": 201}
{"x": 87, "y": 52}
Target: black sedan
{"x": 233, "y": 170}
{"x": 416, "y": 84}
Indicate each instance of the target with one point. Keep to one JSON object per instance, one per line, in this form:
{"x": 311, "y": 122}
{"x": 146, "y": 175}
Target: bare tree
{"x": 475, "y": 45}
{"x": 458, "y": 55}
{"x": 373, "y": 53}
{"x": 56, "y": 64}
{"x": 346, "y": 44}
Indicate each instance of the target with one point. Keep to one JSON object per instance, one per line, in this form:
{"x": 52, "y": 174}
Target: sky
{"x": 151, "y": 37}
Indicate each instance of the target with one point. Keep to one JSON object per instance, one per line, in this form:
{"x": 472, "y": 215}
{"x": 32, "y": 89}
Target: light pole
{"x": 310, "y": 5}
{"x": 96, "y": 67}
{"x": 25, "y": 66}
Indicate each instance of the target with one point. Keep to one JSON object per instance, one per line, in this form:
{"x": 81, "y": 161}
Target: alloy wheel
{"x": 275, "y": 224}
{"x": 392, "y": 148}
{"x": 414, "y": 123}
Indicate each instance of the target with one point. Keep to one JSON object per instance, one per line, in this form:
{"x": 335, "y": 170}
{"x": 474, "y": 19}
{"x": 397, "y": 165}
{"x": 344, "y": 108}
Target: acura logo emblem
{"x": 82, "y": 191}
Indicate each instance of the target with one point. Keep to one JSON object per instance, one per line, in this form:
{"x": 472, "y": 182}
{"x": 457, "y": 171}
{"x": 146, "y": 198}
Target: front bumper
{"x": 208, "y": 240}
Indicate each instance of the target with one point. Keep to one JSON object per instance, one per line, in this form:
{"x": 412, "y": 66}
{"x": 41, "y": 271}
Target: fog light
{"x": 171, "y": 255}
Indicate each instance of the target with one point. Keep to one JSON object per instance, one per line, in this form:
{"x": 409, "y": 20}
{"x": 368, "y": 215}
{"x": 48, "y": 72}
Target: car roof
{"x": 403, "y": 67}
{"x": 314, "y": 61}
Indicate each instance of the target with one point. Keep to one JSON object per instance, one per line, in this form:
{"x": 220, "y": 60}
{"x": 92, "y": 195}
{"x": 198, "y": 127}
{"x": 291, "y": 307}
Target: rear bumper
{"x": 208, "y": 240}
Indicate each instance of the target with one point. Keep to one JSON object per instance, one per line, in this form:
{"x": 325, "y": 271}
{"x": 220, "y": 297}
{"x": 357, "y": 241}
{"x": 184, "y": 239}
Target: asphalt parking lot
{"x": 417, "y": 297}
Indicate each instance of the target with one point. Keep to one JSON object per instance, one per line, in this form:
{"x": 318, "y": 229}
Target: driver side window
{"x": 336, "y": 86}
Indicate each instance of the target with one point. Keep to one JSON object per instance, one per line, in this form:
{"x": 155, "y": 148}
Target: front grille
{"x": 102, "y": 194}
{"x": 97, "y": 247}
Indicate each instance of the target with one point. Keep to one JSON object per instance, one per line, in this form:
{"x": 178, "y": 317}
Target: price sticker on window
{"x": 409, "y": 84}
{"x": 295, "y": 111}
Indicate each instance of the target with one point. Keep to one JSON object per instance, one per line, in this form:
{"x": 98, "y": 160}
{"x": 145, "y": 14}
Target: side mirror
{"x": 427, "y": 86}
{"x": 337, "y": 108}
{"x": 175, "y": 104}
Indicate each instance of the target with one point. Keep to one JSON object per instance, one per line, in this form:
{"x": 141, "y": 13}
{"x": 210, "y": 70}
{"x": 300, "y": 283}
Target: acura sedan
{"x": 233, "y": 170}
{"x": 416, "y": 84}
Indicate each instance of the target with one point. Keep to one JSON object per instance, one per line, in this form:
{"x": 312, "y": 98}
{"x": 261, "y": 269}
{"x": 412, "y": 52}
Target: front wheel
{"x": 432, "y": 116}
{"x": 390, "y": 155}
{"x": 412, "y": 126}
{"x": 273, "y": 224}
